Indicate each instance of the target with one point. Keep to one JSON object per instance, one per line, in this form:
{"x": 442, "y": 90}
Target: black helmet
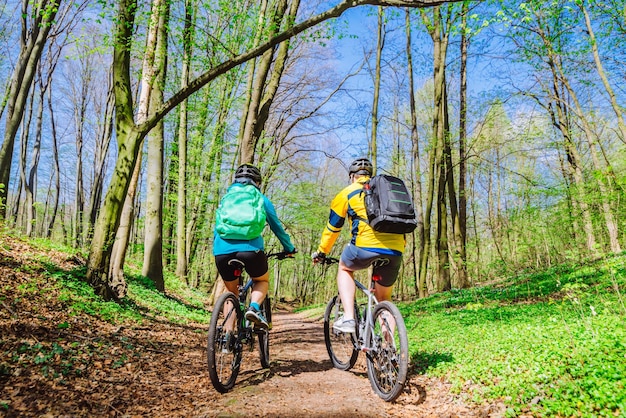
{"x": 361, "y": 166}
{"x": 248, "y": 171}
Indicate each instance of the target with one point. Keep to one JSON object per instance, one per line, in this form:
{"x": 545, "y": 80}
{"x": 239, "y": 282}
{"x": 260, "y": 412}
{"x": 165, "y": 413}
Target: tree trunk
{"x": 22, "y": 208}
{"x": 461, "y": 220}
{"x": 102, "y": 150}
{"x": 181, "y": 208}
{"x": 32, "y": 42}
{"x": 600, "y": 68}
{"x": 31, "y": 184}
{"x": 153, "y": 244}
{"x": 420, "y": 288}
{"x": 440, "y": 132}
{"x": 57, "y": 167}
{"x": 380, "y": 42}
{"x": 253, "y": 124}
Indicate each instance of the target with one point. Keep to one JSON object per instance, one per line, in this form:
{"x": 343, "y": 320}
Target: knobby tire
{"x": 264, "y": 335}
{"x": 224, "y": 354}
{"x": 340, "y": 346}
{"x": 388, "y": 361}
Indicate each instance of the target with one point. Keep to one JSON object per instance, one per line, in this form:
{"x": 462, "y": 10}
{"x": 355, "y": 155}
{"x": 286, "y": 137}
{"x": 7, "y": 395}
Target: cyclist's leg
{"x": 259, "y": 288}
{"x": 387, "y": 273}
{"x": 383, "y": 288}
{"x": 347, "y": 290}
{"x": 257, "y": 268}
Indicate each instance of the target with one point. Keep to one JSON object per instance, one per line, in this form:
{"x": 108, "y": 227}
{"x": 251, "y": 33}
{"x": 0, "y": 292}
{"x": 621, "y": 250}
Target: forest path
{"x": 301, "y": 382}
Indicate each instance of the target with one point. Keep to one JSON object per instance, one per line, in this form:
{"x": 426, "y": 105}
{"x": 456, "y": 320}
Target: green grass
{"x": 549, "y": 344}
{"x": 180, "y": 304}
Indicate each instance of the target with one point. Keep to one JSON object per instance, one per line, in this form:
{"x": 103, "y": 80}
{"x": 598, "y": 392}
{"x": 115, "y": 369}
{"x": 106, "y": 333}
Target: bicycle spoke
{"x": 387, "y": 365}
{"x": 340, "y": 346}
{"x": 224, "y": 350}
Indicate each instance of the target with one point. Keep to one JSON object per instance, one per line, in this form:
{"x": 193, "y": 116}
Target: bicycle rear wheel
{"x": 388, "y": 357}
{"x": 264, "y": 334}
{"x": 224, "y": 351}
{"x": 340, "y": 346}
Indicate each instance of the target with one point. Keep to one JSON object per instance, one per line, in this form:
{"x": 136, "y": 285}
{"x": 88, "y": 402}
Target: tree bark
{"x": 380, "y": 43}
{"x": 420, "y": 287}
{"x": 181, "y": 207}
{"x": 253, "y": 123}
{"x": 153, "y": 243}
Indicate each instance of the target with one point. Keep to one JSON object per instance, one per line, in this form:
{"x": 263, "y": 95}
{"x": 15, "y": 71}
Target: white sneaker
{"x": 344, "y": 325}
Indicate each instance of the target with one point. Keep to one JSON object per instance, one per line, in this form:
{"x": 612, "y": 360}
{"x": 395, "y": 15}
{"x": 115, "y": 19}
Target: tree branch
{"x": 226, "y": 66}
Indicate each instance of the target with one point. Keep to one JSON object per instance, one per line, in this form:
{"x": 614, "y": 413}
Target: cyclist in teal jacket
{"x": 250, "y": 252}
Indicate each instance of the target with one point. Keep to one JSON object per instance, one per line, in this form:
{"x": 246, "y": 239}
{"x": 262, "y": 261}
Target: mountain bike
{"x": 230, "y": 332}
{"x": 380, "y": 334}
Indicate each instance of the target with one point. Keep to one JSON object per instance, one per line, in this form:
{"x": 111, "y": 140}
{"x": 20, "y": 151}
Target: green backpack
{"x": 241, "y": 213}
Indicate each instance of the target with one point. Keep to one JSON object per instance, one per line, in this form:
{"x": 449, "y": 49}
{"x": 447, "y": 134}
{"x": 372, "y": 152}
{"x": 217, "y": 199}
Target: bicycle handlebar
{"x": 329, "y": 260}
{"x": 281, "y": 255}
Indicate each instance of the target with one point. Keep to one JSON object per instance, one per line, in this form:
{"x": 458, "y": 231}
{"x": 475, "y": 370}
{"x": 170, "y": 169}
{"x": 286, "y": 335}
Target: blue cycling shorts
{"x": 385, "y": 265}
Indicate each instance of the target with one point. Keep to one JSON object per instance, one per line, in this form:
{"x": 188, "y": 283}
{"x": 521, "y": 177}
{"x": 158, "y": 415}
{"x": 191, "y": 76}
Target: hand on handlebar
{"x": 318, "y": 257}
{"x": 284, "y": 254}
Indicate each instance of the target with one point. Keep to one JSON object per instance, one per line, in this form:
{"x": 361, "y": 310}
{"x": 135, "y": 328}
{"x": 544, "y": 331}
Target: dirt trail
{"x": 302, "y": 382}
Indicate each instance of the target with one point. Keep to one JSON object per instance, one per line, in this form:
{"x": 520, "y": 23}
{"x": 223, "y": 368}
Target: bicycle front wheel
{"x": 388, "y": 357}
{"x": 340, "y": 346}
{"x": 224, "y": 351}
{"x": 264, "y": 334}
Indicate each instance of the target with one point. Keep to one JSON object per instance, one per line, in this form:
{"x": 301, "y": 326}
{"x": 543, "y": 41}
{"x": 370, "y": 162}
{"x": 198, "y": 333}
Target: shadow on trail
{"x": 282, "y": 368}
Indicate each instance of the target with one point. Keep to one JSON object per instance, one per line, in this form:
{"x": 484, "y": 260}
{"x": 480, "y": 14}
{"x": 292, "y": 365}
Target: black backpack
{"x": 389, "y": 205}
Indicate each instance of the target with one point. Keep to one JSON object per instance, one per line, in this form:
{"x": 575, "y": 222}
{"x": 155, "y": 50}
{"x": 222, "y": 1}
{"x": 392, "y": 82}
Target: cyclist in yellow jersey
{"x": 366, "y": 246}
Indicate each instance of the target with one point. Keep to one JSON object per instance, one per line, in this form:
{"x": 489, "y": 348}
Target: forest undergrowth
{"x": 550, "y": 343}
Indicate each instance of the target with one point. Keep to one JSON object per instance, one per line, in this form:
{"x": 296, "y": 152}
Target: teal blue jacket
{"x": 223, "y": 246}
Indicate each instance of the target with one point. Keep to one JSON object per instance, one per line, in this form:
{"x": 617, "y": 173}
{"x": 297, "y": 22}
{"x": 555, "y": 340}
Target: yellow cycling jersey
{"x": 350, "y": 203}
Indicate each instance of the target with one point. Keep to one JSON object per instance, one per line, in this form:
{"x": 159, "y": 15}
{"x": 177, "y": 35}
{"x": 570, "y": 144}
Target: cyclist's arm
{"x": 336, "y": 219}
{"x": 277, "y": 227}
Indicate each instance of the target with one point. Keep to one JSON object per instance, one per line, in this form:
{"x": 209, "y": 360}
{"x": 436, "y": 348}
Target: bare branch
{"x": 226, "y": 66}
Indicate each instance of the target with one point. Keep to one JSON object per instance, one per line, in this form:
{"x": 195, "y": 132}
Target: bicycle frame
{"x": 247, "y": 337}
{"x": 367, "y": 322}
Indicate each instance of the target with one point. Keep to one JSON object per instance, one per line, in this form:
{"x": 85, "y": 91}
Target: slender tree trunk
{"x": 102, "y": 150}
{"x": 560, "y": 119}
{"x": 600, "y": 68}
{"x": 604, "y": 192}
{"x": 440, "y": 132}
{"x": 57, "y": 167}
{"x": 252, "y": 69}
{"x": 181, "y": 208}
{"x": 153, "y": 243}
{"x": 31, "y": 184}
{"x": 21, "y": 207}
{"x": 380, "y": 43}
{"x": 420, "y": 287}
{"x": 252, "y": 126}
{"x": 32, "y": 42}
{"x": 461, "y": 220}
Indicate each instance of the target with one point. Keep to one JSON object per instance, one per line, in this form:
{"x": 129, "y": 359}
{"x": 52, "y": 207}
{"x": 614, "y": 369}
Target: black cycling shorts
{"x": 255, "y": 263}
